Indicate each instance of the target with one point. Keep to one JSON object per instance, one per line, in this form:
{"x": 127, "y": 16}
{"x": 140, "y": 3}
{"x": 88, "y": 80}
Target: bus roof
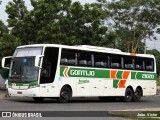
{"x": 89, "y": 48}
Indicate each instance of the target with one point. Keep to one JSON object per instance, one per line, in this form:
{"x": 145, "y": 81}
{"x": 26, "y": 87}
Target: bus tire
{"x": 128, "y": 95}
{"x": 137, "y": 95}
{"x": 38, "y": 99}
{"x": 65, "y": 95}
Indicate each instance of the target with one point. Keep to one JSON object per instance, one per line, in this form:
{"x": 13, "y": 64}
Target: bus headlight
{"x": 33, "y": 86}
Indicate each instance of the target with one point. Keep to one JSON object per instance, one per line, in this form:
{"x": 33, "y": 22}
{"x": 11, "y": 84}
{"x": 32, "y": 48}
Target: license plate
{"x": 19, "y": 92}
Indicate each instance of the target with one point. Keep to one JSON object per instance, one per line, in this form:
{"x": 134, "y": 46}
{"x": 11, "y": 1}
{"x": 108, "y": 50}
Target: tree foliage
{"x": 17, "y": 12}
{"x": 8, "y": 42}
{"x": 57, "y": 21}
{"x": 132, "y": 20}
{"x": 63, "y": 22}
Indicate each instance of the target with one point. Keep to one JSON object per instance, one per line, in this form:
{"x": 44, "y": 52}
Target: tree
{"x": 87, "y": 24}
{"x": 8, "y": 44}
{"x": 59, "y": 22}
{"x": 16, "y": 14}
{"x": 132, "y": 20}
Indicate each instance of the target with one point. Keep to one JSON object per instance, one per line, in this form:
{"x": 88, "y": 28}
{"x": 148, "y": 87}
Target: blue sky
{"x": 3, "y": 16}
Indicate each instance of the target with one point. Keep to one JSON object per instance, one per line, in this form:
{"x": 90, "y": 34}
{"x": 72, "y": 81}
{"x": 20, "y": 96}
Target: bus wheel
{"x": 38, "y": 99}
{"x": 128, "y": 95}
{"x": 65, "y": 95}
{"x": 137, "y": 95}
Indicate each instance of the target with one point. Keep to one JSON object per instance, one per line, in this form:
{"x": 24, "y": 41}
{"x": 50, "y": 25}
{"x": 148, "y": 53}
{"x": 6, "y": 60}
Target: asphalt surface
{"x": 78, "y": 104}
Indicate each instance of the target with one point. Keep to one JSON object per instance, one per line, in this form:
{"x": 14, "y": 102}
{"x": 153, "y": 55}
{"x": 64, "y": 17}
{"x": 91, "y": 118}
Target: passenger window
{"x": 116, "y": 61}
{"x": 139, "y": 64}
{"x": 84, "y": 58}
{"x": 64, "y": 61}
{"x": 148, "y": 64}
{"x": 128, "y": 63}
{"x": 100, "y": 60}
{"x": 68, "y": 57}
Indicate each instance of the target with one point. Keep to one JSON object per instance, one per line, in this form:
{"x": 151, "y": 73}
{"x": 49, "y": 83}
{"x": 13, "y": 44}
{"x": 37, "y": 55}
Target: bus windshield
{"x": 23, "y": 70}
{"x": 23, "y": 65}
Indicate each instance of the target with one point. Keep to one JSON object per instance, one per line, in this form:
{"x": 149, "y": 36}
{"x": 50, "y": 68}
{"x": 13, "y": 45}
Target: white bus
{"x": 59, "y": 71}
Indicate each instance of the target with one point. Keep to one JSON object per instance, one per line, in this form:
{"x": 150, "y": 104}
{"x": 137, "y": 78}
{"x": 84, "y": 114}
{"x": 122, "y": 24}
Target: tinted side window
{"x": 116, "y": 61}
{"x": 139, "y": 64}
{"x": 100, "y": 60}
{"x": 84, "y": 58}
{"x": 149, "y": 64}
{"x": 128, "y": 63}
{"x": 68, "y": 57}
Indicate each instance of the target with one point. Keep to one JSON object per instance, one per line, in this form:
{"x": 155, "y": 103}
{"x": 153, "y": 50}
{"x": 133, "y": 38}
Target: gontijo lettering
{"x": 82, "y": 73}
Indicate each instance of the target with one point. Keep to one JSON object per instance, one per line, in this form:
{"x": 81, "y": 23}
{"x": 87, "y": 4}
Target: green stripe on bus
{"x": 83, "y": 72}
{"x": 133, "y": 75}
{"x": 143, "y": 76}
{"x": 61, "y": 71}
{"x": 119, "y": 74}
{"x": 91, "y": 73}
{"x": 115, "y": 83}
{"x": 23, "y": 83}
{"x": 102, "y": 73}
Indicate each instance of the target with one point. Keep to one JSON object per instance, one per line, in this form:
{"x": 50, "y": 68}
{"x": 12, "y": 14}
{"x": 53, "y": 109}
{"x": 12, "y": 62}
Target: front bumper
{"x": 32, "y": 92}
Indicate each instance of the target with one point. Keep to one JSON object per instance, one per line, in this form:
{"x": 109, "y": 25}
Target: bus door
{"x": 48, "y": 72}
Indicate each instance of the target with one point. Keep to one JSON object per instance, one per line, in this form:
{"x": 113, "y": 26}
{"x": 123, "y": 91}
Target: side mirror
{"x": 37, "y": 60}
{"x": 4, "y": 59}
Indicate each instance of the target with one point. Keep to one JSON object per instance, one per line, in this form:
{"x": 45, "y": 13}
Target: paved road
{"x": 80, "y": 104}
{"x": 85, "y": 104}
